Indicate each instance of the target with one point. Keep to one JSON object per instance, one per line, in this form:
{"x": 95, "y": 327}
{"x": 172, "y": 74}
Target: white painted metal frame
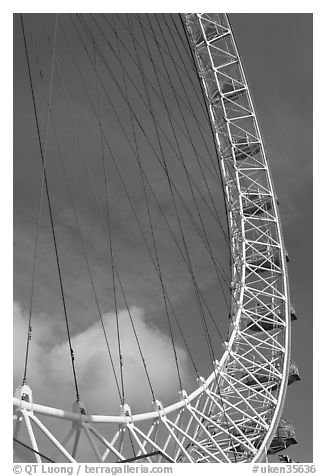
{"x": 233, "y": 414}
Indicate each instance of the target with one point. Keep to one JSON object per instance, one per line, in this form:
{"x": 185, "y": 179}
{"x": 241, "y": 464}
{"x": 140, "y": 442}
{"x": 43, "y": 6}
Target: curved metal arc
{"x": 73, "y": 416}
{"x": 195, "y": 24}
{"x": 282, "y": 392}
{"x": 238, "y": 350}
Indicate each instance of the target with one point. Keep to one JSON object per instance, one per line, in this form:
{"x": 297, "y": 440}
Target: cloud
{"x": 50, "y": 372}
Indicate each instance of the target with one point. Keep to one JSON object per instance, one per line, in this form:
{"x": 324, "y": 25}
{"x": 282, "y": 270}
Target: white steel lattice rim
{"x": 278, "y": 341}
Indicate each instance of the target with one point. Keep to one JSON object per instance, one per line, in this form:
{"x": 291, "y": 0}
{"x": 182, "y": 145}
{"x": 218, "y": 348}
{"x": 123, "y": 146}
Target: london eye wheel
{"x": 169, "y": 143}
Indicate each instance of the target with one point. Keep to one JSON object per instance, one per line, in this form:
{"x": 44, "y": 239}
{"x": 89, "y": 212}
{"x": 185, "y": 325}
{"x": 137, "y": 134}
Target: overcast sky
{"x": 277, "y": 54}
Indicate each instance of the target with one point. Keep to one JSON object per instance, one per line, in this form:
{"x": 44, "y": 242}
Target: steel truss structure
{"x": 234, "y": 414}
